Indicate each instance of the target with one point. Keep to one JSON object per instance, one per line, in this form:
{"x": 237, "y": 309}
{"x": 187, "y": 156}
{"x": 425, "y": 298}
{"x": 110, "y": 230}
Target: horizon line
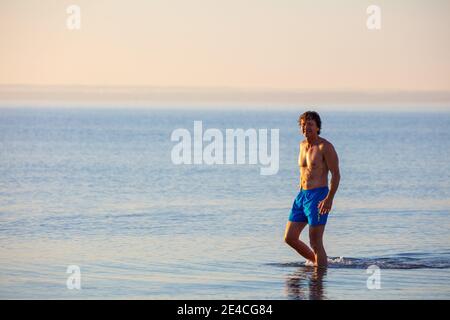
{"x": 215, "y": 96}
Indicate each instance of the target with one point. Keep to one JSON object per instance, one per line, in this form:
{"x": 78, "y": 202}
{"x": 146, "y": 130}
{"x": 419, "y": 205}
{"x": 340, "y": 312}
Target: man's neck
{"x": 313, "y": 140}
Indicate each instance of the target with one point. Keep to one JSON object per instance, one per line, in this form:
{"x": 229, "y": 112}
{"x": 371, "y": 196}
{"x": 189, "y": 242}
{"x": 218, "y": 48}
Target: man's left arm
{"x": 332, "y": 161}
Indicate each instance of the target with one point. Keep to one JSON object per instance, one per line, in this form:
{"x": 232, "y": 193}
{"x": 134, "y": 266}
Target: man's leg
{"x": 316, "y": 241}
{"x": 291, "y": 237}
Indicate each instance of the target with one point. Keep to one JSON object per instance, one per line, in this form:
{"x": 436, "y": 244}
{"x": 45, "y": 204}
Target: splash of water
{"x": 398, "y": 261}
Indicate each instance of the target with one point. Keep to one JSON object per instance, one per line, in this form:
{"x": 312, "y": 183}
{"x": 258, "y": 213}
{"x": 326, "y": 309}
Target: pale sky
{"x": 277, "y": 44}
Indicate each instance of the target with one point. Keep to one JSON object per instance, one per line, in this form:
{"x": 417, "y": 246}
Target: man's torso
{"x": 313, "y": 168}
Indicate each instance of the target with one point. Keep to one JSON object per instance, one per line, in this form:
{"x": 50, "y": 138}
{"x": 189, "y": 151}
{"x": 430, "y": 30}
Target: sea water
{"x": 97, "y": 189}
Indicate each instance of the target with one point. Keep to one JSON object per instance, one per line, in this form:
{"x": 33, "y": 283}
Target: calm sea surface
{"x": 97, "y": 189}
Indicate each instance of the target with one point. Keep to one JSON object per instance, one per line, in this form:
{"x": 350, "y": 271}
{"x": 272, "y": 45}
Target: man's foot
{"x": 309, "y": 263}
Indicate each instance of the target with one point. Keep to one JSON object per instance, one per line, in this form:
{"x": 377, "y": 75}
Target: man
{"x": 314, "y": 201}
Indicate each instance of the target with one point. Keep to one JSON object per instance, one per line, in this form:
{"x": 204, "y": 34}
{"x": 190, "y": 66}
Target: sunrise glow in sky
{"x": 321, "y": 45}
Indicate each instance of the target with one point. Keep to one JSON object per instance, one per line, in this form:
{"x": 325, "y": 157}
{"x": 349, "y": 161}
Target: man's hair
{"x": 311, "y": 115}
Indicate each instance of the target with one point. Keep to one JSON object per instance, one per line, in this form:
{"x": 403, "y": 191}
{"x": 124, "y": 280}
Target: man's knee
{"x": 289, "y": 240}
{"x": 316, "y": 244}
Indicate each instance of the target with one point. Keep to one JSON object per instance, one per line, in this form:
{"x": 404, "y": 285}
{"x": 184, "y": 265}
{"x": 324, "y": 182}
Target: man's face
{"x": 309, "y": 128}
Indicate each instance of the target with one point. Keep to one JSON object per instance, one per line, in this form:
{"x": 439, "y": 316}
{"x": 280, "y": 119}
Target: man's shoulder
{"x": 325, "y": 144}
{"x": 322, "y": 143}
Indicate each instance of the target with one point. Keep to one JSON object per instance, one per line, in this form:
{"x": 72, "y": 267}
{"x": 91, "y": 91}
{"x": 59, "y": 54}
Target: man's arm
{"x": 299, "y": 186}
{"x": 332, "y": 161}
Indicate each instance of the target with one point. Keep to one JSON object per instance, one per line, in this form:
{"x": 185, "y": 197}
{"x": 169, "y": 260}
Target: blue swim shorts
{"x": 305, "y": 208}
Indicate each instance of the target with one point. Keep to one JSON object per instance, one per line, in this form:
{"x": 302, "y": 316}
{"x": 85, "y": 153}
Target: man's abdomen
{"x": 315, "y": 178}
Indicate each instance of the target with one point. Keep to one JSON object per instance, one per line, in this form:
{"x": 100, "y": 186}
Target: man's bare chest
{"x": 311, "y": 157}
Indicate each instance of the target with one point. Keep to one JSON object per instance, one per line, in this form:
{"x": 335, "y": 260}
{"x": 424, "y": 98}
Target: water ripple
{"x": 399, "y": 261}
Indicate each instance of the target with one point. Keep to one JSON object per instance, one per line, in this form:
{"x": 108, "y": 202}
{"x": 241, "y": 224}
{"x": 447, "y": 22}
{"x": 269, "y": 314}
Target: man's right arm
{"x": 299, "y": 185}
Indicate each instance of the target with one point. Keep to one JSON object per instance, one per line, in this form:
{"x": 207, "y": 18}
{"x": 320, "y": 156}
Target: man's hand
{"x": 325, "y": 205}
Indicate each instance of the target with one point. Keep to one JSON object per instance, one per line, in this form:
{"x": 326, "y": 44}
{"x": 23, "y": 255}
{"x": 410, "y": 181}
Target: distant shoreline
{"x": 252, "y": 98}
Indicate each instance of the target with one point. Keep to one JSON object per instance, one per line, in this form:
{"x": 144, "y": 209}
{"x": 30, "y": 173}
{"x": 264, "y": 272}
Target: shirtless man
{"x": 314, "y": 201}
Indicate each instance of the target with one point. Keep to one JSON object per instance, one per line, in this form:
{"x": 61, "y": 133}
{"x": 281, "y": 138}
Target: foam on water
{"x": 398, "y": 261}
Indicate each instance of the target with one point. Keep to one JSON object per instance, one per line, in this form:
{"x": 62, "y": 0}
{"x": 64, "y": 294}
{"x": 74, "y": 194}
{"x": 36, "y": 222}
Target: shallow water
{"x": 97, "y": 189}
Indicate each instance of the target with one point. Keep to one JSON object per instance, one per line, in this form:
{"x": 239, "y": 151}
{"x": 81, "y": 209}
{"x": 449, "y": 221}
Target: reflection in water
{"x": 306, "y": 283}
